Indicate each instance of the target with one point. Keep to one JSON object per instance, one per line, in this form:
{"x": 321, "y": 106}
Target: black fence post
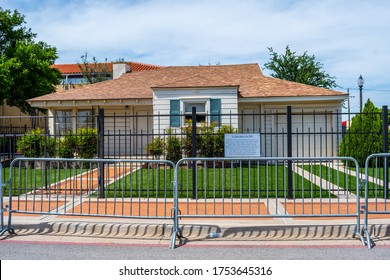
{"x": 386, "y": 150}
{"x": 101, "y": 151}
{"x": 194, "y": 144}
{"x": 289, "y": 154}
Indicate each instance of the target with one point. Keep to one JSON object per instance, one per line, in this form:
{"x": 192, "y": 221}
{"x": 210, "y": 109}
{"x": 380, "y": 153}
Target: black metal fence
{"x": 286, "y": 133}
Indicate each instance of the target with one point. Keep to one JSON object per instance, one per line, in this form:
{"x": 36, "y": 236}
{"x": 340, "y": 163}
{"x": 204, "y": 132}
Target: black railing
{"x": 282, "y": 134}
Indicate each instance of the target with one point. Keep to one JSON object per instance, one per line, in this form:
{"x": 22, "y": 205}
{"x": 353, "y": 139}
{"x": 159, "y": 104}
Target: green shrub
{"x": 219, "y": 139}
{"x": 156, "y": 148}
{"x": 210, "y": 140}
{"x": 36, "y": 143}
{"x": 364, "y": 137}
{"x": 173, "y": 147}
{"x": 66, "y": 146}
{"x": 86, "y": 142}
{"x": 186, "y": 141}
{"x": 205, "y": 140}
{"x": 4, "y": 142}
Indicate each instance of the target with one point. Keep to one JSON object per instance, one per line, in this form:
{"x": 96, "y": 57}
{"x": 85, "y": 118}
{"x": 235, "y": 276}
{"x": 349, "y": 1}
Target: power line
{"x": 365, "y": 89}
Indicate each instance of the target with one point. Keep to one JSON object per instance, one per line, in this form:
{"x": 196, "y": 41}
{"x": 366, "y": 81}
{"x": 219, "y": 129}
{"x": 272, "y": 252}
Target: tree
{"x": 25, "y": 65}
{"x": 364, "y": 137}
{"x": 299, "y": 68}
{"x": 94, "y": 72}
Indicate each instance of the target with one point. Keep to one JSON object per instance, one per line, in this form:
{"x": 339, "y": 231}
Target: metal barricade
{"x": 267, "y": 188}
{"x": 377, "y": 190}
{"x": 91, "y": 187}
{"x": 2, "y": 208}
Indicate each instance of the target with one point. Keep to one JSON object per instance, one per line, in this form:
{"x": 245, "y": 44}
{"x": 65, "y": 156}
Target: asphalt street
{"x": 54, "y": 250}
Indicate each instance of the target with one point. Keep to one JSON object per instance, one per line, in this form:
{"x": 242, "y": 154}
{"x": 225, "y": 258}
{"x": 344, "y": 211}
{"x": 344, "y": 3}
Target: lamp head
{"x": 360, "y": 81}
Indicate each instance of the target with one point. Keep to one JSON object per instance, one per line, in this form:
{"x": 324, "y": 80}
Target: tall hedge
{"x": 365, "y": 135}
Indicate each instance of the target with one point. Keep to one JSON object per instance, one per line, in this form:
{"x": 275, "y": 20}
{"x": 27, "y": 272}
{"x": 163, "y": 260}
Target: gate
{"x": 377, "y": 188}
{"x": 101, "y": 188}
{"x": 267, "y": 188}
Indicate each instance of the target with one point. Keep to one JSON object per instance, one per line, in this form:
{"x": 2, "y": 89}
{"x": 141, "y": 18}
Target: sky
{"x": 349, "y": 37}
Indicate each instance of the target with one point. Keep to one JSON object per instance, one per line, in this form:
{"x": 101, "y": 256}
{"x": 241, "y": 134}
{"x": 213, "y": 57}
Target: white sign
{"x": 242, "y": 145}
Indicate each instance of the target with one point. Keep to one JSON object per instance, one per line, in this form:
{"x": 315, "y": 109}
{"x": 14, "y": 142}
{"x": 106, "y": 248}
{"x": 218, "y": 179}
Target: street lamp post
{"x": 360, "y": 84}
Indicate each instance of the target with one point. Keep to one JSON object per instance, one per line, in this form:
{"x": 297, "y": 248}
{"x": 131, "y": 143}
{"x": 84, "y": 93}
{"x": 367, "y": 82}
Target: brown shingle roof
{"x": 134, "y": 66}
{"x": 251, "y": 82}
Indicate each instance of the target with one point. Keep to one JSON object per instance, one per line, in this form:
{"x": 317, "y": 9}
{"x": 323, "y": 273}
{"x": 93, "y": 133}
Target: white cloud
{"x": 348, "y": 37}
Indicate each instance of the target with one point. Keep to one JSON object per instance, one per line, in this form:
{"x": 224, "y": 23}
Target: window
{"x": 63, "y": 122}
{"x": 200, "y": 111}
{"x": 84, "y": 118}
{"x": 202, "y": 107}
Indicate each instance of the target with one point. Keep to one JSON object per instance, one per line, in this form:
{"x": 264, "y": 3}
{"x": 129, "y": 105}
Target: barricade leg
{"x": 3, "y": 209}
{"x": 176, "y": 232}
{"x": 369, "y": 242}
{"x": 1, "y": 198}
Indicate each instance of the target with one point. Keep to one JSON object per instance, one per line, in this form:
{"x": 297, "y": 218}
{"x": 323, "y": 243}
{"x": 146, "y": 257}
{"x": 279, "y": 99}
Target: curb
{"x": 203, "y": 231}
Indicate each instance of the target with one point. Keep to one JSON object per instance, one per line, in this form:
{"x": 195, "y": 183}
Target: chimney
{"x": 118, "y": 69}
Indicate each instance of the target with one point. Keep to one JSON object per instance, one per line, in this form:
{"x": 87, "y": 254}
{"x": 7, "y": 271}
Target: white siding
{"x": 126, "y": 135}
{"x": 313, "y": 131}
{"x": 314, "y": 134}
{"x": 162, "y": 97}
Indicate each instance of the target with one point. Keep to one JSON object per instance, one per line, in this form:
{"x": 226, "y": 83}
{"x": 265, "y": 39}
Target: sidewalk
{"x": 234, "y": 232}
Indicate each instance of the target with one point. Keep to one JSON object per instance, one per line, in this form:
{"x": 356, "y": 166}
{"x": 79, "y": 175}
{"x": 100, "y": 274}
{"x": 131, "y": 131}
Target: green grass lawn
{"x": 215, "y": 182}
{"x": 373, "y": 172}
{"x": 348, "y": 181}
{"x": 375, "y": 188}
{"x": 25, "y": 180}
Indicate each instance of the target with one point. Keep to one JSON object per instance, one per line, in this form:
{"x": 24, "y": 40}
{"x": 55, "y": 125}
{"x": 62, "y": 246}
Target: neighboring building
{"x": 72, "y": 78}
{"x": 222, "y": 94}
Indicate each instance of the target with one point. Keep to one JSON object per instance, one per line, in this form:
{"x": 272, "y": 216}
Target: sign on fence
{"x": 242, "y": 145}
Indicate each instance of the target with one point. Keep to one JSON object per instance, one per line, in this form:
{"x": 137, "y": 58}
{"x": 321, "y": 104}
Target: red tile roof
{"x": 252, "y": 83}
{"x": 134, "y": 66}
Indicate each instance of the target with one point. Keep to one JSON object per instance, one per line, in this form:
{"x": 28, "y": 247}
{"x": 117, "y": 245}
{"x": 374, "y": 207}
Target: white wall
{"x": 162, "y": 97}
{"x": 128, "y": 135}
{"x": 323, "y": 139}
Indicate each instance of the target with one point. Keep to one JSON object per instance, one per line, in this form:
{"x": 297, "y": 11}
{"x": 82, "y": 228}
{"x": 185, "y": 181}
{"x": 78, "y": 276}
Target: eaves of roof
{"x": 138, "y": 85}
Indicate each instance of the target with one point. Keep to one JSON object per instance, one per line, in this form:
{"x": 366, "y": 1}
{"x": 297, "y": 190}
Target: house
{"x": 237, "y": 95}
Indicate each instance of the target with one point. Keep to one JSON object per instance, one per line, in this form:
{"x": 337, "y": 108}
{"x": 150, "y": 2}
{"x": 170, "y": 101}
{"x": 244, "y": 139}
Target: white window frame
{"x": 188, "y": 115}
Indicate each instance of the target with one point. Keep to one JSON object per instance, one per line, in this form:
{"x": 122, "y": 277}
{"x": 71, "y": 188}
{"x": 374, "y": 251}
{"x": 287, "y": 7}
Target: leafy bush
{"x": 173, "y": 147}
{"x": 365, "y": 136}
{"x": 36, "y": 143}
{"x": 66, "y": 146}
{"x": 205, "y": 140}
{"x": 219, "y": 139}
{"x": 156, "y": 148}
{"x": 86, "y": 142}
{"x": 210, "y": 140}
{"x": 187, "y": 139}
{"x": 4, "y": 143}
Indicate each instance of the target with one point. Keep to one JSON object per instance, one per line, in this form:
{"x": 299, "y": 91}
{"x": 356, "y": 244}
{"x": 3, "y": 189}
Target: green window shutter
{"x": 175, "y": 113}
{"x": 215, "y": 111}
